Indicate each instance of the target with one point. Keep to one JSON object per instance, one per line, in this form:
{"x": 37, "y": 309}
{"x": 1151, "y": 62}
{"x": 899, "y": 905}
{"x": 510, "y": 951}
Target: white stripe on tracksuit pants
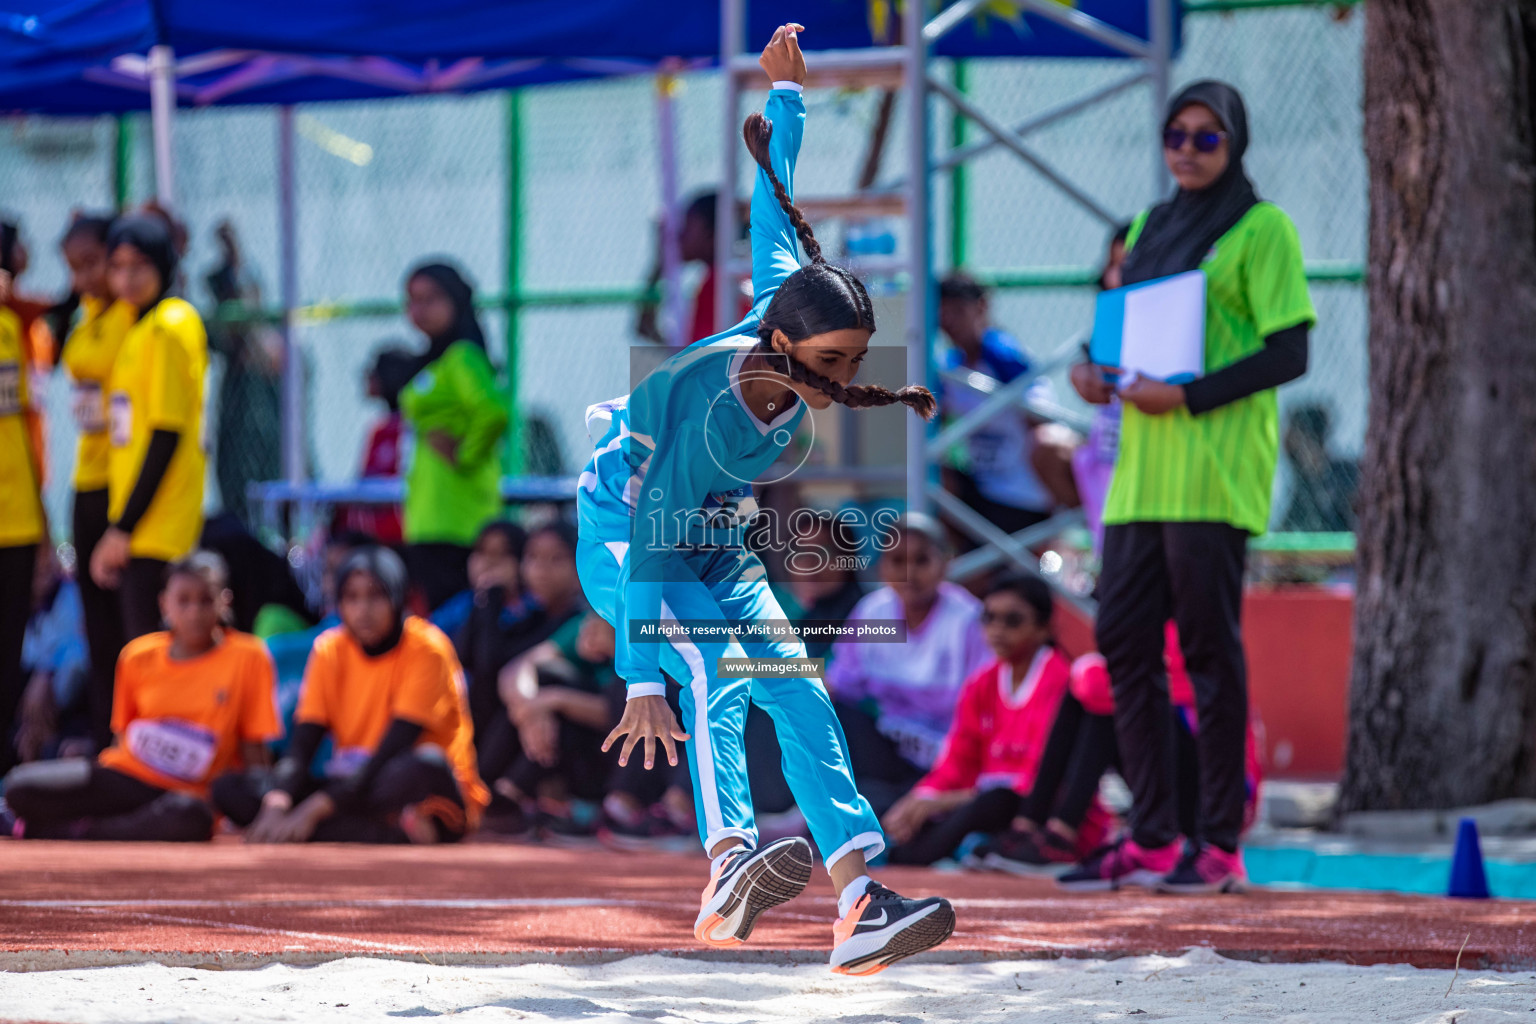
{"x": 715, "y": 710}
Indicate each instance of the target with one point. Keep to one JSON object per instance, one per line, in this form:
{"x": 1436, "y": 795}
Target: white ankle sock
{"x": 851, "y": 893}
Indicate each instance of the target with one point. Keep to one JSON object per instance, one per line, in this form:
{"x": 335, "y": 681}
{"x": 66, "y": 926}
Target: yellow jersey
{"x": 157, "y": 384}
{"x": 21, "y": 508}
{"x": 88, "y": 356}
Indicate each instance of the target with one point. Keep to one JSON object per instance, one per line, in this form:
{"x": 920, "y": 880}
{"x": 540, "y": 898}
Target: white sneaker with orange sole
{"x": 747, "y": 883}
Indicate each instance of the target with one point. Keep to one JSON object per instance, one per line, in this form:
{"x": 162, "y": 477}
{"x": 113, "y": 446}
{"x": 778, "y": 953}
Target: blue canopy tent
{"x": 107, "y": 56}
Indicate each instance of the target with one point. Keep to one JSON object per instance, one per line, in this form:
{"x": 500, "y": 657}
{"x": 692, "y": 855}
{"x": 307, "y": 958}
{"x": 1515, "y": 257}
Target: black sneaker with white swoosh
{"x": 883, "y": 927}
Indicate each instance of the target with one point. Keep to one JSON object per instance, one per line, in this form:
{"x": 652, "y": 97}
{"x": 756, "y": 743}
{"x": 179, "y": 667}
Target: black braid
{"x": 855, "y": 396}
{"x": 756, "y": 132}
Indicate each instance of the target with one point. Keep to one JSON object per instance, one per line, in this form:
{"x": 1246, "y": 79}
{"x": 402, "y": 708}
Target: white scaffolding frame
{"x": 906, "y": 66}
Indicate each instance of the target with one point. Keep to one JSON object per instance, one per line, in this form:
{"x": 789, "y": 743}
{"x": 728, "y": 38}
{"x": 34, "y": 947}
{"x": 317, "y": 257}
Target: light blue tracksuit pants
{"x": 715, "y": 710}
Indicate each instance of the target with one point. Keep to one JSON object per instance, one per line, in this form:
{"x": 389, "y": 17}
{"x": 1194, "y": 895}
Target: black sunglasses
{"x": 1010, "y": 620}
{"x": 1205, "y": 142}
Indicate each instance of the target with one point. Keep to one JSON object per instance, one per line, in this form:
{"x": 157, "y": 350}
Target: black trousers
{"x": 1079, "y": 750}
{"x": 881, "y": 773}
{"x": 439, "y": 570}
{"x": 1193, "y": 572}
{"x": 579, "y": 762}
{"x": 16, "y": 568}
{"x": 991, "y": 811}
{"x": 102, "y": 610}
{"x": 79, "y": 799}
{"x": 139, "y": 595}
{"x": 407, "y": 779}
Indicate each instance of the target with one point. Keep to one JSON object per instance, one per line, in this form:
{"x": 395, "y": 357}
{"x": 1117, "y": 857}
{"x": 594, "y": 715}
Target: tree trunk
{"x": 1443, "y": 696}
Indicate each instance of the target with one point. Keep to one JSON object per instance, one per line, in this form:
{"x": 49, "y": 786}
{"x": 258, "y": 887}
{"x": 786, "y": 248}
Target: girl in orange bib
{"x": 189, "y": 704}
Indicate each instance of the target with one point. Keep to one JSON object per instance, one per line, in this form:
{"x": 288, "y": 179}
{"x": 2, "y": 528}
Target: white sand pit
{"x": 1196, "y": 987}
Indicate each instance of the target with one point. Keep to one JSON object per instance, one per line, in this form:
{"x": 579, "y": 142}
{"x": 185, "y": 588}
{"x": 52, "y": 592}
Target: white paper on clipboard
{"x": 1164, "y": 329}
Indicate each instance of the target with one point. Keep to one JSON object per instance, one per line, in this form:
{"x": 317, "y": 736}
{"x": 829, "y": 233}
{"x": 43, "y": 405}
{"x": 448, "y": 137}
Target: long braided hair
{"x": 818, "y": 299}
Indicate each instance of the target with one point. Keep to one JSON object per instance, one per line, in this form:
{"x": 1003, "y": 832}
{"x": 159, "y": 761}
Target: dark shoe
{"x": 884, "y": 927}
{"x": 1121, "y": 864}
{"x": 1024, "y": 853}
{"x": 747, "y": 883}
{"x": 1207, "y": 870}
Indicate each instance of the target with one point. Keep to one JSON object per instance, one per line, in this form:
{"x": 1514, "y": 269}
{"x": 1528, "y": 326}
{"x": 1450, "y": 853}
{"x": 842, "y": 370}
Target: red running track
{"x": 84, "y": 904}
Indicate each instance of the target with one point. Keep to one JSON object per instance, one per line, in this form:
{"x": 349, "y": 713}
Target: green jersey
{"x": 1219, "y": 466}
{"x": 448, "y": 502}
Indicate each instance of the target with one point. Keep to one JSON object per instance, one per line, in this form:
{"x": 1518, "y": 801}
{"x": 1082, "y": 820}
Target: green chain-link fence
{"x": 551, "y": 197}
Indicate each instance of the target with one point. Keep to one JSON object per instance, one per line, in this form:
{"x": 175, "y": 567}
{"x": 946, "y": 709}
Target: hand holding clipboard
{"x": 1152, "y": 331}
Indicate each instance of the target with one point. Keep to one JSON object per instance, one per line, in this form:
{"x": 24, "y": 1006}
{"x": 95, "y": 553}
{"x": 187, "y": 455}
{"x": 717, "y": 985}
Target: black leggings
{"x": 1192, "y": 572}
{"x": 16, "y": 568}
{"x": 1079, "y": 750}
{"x": 102, "y": 609}
{"x": 139, "y": 593}
{"x": 991, "y": 812}
{"x": 579, "y": 762}
{"x": 881, "y": 773}
{"x": 407, "y": 779}
{"x": 79, "y": 799}
{"x": 439, "y": 570}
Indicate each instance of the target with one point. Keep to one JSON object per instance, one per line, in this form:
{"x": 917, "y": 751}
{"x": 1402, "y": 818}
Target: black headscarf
{"x": 385, "y": 566}
{"x": 465, "y": 327}
{"x": 1180, "y": 232}
{"x": 151, "y": 235}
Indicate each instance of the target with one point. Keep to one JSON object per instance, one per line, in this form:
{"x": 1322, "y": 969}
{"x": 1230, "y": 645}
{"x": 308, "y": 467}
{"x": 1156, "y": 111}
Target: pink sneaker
{"x": 1208, "y": 870}
{"x": 1124, "y": 863}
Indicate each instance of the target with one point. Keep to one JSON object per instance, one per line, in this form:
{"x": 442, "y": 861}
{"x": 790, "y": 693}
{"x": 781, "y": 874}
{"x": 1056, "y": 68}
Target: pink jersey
{"x": 1000, "y": 732}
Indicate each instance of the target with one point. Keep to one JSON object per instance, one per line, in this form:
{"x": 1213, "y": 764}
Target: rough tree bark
{"x": 1443, "y": 694}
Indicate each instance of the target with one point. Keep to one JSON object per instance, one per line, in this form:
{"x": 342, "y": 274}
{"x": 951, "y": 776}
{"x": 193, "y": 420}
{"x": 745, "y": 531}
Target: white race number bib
{"x": 173, "y": 747}
{"x": 10, "y": 389}
{"x": 85, "y": 403}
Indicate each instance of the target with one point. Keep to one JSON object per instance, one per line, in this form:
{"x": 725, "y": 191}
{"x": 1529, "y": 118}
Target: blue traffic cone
{"x": 1468, "y": 879}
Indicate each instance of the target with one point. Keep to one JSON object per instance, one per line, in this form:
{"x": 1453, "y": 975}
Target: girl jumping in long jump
{"x": 662, "y": 503}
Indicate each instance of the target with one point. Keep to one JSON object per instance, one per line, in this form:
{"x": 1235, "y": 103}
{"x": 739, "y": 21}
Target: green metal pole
{"x": 958, "y": 191}
{"x": 121, "y": 154}
{"x": 512, "y": 457}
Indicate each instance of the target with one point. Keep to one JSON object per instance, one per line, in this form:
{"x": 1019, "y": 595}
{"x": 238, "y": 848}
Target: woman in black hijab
{"x": 1193, "y": 480}
{"x": 156, "y": 463}
{"x": 458, "y": 416}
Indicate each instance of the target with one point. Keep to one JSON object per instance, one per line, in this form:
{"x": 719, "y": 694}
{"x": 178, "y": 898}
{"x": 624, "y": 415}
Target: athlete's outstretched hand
{"x": 782, "y": 58}
{"x": 649, "y": 719}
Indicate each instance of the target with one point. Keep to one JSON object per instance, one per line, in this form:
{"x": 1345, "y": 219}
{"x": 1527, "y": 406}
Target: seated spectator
{"x": 189, "y": 704}
{"x": 1322, "y": 485}
{"x": 494, "y": 580}
{"x": 561, "y": 698}
{"x": 1059, "y": 818}
{"x": 498, "y": 631}
{"x": 388, "y": 691}
{"x": 1018, "y": 468}
{"x": 994, "y": 749}
{"x": 392, "y": 370}
{"x": 56, "y": 663}
{"x": 896, "y": 700}
{"x": 290, "y": 650}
